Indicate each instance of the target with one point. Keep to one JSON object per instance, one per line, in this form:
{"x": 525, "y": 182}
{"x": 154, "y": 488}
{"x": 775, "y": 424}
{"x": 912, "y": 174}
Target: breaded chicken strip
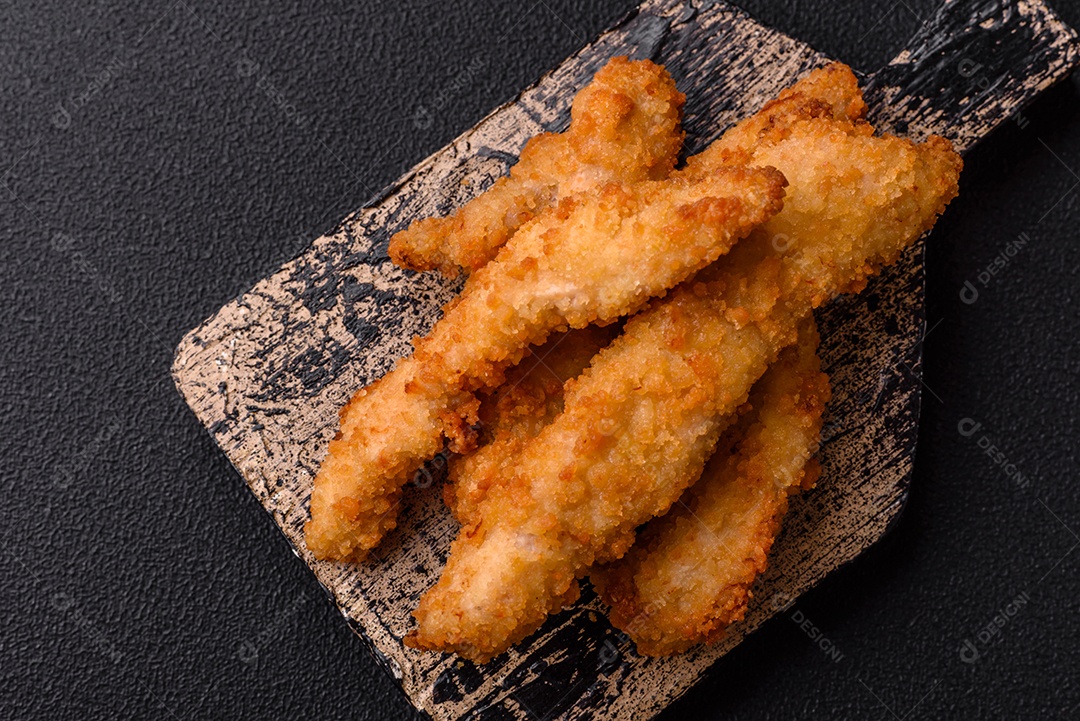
{"x": 591, "y": 259}
{"x": 639, "y": 424}
{"x": 624, "y": 127}
{"x": 828, "y": 92}
{"x": 533, "y": 398}
{"x": 688, "y": 575}
{"x": 515, "y": 412}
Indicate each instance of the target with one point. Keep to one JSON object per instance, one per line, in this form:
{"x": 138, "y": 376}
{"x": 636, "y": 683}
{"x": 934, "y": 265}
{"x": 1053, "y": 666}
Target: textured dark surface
{"x": 268, "y": 374}
{"x": 139, "y": 578}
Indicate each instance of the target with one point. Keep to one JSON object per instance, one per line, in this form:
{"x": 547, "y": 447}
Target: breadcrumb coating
{"x": 533, "y": 396}
{"x": 639, "y": 424}
{"x": 624, "y": 127}
{"x": 592, "y": 258}
{"x": 688, "y": 575}
{"x": 510, "y": 415}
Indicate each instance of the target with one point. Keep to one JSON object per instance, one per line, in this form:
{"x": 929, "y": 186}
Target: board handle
{"x": 972, "y": 66}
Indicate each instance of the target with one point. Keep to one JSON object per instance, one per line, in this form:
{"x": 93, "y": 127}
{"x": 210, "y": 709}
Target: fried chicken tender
{"x": 533, "y": 398}
{"x": 688, "y": 575}
{"x": 515, "y": 412}
{"x": 639, "y": 424}
{"x": 624, "y": 127}
{"x": 830, "y": 92}
{"x": 593, "y": 258}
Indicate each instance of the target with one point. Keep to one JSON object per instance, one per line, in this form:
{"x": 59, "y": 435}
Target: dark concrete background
{"x": 160, "y": 158}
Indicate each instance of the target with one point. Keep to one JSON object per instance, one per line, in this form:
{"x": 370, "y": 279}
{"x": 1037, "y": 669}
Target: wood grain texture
{"x": 267, "y": 374}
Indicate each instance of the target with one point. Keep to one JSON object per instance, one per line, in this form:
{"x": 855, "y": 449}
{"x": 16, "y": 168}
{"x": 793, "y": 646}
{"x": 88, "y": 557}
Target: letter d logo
{"x": 61, "y": 119}
{"x": 967, "y": 427}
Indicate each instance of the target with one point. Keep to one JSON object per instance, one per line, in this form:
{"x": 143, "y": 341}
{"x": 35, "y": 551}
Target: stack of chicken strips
{"x": 636, "y": 345}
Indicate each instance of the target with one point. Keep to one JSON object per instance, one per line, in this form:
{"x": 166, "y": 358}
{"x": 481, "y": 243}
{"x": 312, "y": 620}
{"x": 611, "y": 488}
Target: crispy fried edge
{"x": 625, "y": 127}
{"x": 725, "y": 525}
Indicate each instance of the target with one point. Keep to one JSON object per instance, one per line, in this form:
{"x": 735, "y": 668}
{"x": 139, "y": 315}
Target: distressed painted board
{"x": 267, "y": 374}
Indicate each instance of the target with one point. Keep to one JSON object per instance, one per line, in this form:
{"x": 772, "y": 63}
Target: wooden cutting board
{"x": 267, "y": 374}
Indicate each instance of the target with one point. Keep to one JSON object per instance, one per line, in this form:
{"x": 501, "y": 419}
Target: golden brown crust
{"x": 638, "y": 425}
{"x": 689, "y": 573}
{"x": 592, "y": 258}
{"x": 831, "y": 92}
{"x": 624, "y": 127}
{"x": 533, "y": 397}
{"x": 515, "y": 412}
